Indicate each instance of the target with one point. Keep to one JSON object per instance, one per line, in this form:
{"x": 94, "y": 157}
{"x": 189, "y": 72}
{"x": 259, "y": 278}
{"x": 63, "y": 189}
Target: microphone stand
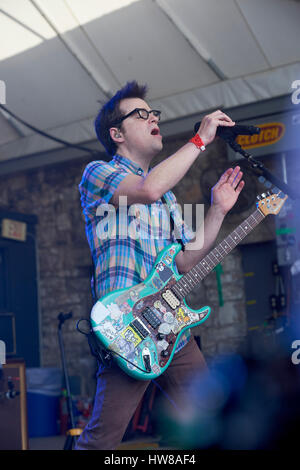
{"x": 72, "y": 432}
{"x": 261, "y": 171}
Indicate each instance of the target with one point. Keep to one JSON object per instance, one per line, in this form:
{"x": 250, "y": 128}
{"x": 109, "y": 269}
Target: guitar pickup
{"x": 151, "y": 317}
{"x": 139, "y": 328}
{"x": 171, "y": 299}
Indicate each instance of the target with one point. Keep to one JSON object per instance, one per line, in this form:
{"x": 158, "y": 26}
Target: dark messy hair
{"x": 110, "y": 113}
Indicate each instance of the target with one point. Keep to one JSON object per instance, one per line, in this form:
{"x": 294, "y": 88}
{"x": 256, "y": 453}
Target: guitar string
{"x": 205, "y": 266}
{"x": 210, "y": 263}
{"x": 198, "y": 268}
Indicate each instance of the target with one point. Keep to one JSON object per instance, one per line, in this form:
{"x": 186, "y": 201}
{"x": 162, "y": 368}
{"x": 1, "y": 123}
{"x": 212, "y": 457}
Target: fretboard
{"x": 190, "y": 280}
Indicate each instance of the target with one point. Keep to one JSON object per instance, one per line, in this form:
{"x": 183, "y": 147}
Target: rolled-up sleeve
{"x": 98, "y": 184}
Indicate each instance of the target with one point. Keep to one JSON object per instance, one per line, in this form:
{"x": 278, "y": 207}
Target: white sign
{"x": 14, "y": 229}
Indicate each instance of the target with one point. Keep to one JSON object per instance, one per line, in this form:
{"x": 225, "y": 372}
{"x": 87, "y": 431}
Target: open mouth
{"x": 155, "y": 131}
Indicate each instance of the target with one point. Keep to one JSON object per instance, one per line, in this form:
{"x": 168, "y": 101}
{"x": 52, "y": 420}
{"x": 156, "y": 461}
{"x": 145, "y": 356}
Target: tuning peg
{"x": 258, "y": 197}
{"x": 263, "y": 195}
{"x": 264, "y": 181}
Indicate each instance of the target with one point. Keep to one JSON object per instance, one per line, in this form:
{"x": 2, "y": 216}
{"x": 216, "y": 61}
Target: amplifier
{"x": 13, "y": 406}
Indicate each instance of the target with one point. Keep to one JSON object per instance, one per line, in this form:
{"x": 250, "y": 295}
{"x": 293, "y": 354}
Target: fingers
{"x": 235, "y": 176}
{"x": 221, "y": 116}
{"x": 236, "y": 180}
{"x": 210, "y": 123}
{"x": 224, "y": 178}
{"x": 222, "y": 119}
{"x": 223, "y": 123}
{"x": 232, "y": 176}
{"x": 239, "y": 188}
{"x": 218, "y": 118}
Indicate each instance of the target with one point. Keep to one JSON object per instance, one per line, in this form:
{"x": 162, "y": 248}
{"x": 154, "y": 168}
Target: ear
{"x": 116, "y": 135}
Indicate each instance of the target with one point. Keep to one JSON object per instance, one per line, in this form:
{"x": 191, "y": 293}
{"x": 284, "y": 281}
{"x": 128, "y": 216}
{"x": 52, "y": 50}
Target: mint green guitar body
{"x": 142, "y": 325}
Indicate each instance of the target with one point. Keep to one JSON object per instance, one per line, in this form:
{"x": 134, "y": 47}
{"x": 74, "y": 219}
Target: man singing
{"x": 129, "y": 130}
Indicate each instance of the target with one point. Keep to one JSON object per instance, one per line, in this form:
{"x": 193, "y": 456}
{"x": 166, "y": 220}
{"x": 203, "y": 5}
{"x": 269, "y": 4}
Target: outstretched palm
{"x": 226, "y": 191}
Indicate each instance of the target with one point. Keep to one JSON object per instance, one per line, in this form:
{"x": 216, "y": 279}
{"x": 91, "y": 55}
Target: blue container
{"x": 43, "y": 413}
{"x": 43, "y": 393}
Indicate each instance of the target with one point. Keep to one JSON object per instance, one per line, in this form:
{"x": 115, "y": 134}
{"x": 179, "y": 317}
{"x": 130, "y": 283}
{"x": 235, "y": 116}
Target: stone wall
{"x": 64, "y": 259}
{"x": 51, "y": 193}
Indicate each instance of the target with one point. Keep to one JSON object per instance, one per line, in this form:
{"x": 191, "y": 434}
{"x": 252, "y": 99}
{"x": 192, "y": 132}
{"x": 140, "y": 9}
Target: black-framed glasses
{"x": 142, "y": 113}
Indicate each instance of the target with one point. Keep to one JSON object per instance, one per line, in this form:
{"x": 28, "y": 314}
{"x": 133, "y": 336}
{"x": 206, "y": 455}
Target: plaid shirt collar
{"x": 128, "y": 165}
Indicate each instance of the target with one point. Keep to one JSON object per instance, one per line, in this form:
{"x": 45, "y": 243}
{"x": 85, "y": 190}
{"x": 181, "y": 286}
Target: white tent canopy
{"x": 59, "y": 58}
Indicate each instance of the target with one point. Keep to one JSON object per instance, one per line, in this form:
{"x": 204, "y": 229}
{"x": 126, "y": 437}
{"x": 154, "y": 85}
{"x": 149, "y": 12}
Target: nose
{"x": 153, "y": 118}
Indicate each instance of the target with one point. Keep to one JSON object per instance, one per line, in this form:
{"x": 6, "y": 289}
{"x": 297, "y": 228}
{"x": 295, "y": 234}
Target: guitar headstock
{"x": 271, "y": 203}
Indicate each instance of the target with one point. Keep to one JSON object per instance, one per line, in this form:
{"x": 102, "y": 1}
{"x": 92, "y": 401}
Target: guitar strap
{"x": 97, "y": 350}
{"x": 173, "y": 229}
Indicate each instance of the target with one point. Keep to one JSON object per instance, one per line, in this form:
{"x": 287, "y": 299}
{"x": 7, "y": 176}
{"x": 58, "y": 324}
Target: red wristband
{"x": 196, "y": 140}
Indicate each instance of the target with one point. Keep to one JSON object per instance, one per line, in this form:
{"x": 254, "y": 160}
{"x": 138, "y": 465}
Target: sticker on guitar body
{"x": 132, "y": 294}
{"x": 182, "y": 316}
{"x": 131, "y": 336}
{"x": 131, "y": 347}
{"x": 109, "y": 319}
{"x": 164, "y": 272}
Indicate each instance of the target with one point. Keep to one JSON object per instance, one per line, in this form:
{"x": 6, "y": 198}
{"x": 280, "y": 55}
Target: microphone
{"x": 230, "y": 133}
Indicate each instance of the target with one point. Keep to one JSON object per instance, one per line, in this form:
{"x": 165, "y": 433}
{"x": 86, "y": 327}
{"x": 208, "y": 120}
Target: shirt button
{"x": 140, "y": 172}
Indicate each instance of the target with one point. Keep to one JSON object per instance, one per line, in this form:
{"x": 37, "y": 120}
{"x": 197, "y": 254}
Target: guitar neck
{"x": 190, "y": 280}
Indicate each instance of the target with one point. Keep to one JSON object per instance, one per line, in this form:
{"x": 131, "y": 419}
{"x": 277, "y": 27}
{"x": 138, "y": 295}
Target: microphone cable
{"x": 48, "y": 136}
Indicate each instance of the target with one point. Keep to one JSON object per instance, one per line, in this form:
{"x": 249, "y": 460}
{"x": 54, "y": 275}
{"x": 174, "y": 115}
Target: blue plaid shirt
{"x": 125, "y": 258}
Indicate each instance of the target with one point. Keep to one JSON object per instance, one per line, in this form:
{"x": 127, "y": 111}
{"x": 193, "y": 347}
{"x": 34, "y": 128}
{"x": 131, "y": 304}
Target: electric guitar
{"x": 142, "y": 325}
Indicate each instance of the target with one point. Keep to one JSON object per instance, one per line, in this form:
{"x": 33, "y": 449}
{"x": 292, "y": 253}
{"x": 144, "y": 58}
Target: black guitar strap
{"x": 98, "y": 350}
{"x": 173, "y": 230}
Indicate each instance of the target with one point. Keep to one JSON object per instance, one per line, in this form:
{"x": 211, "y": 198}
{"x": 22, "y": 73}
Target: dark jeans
{"x": 118, "y": 395}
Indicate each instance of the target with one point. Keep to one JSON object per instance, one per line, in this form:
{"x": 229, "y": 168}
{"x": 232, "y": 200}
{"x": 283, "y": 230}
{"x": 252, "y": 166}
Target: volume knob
{"x": 161, "y": 336}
